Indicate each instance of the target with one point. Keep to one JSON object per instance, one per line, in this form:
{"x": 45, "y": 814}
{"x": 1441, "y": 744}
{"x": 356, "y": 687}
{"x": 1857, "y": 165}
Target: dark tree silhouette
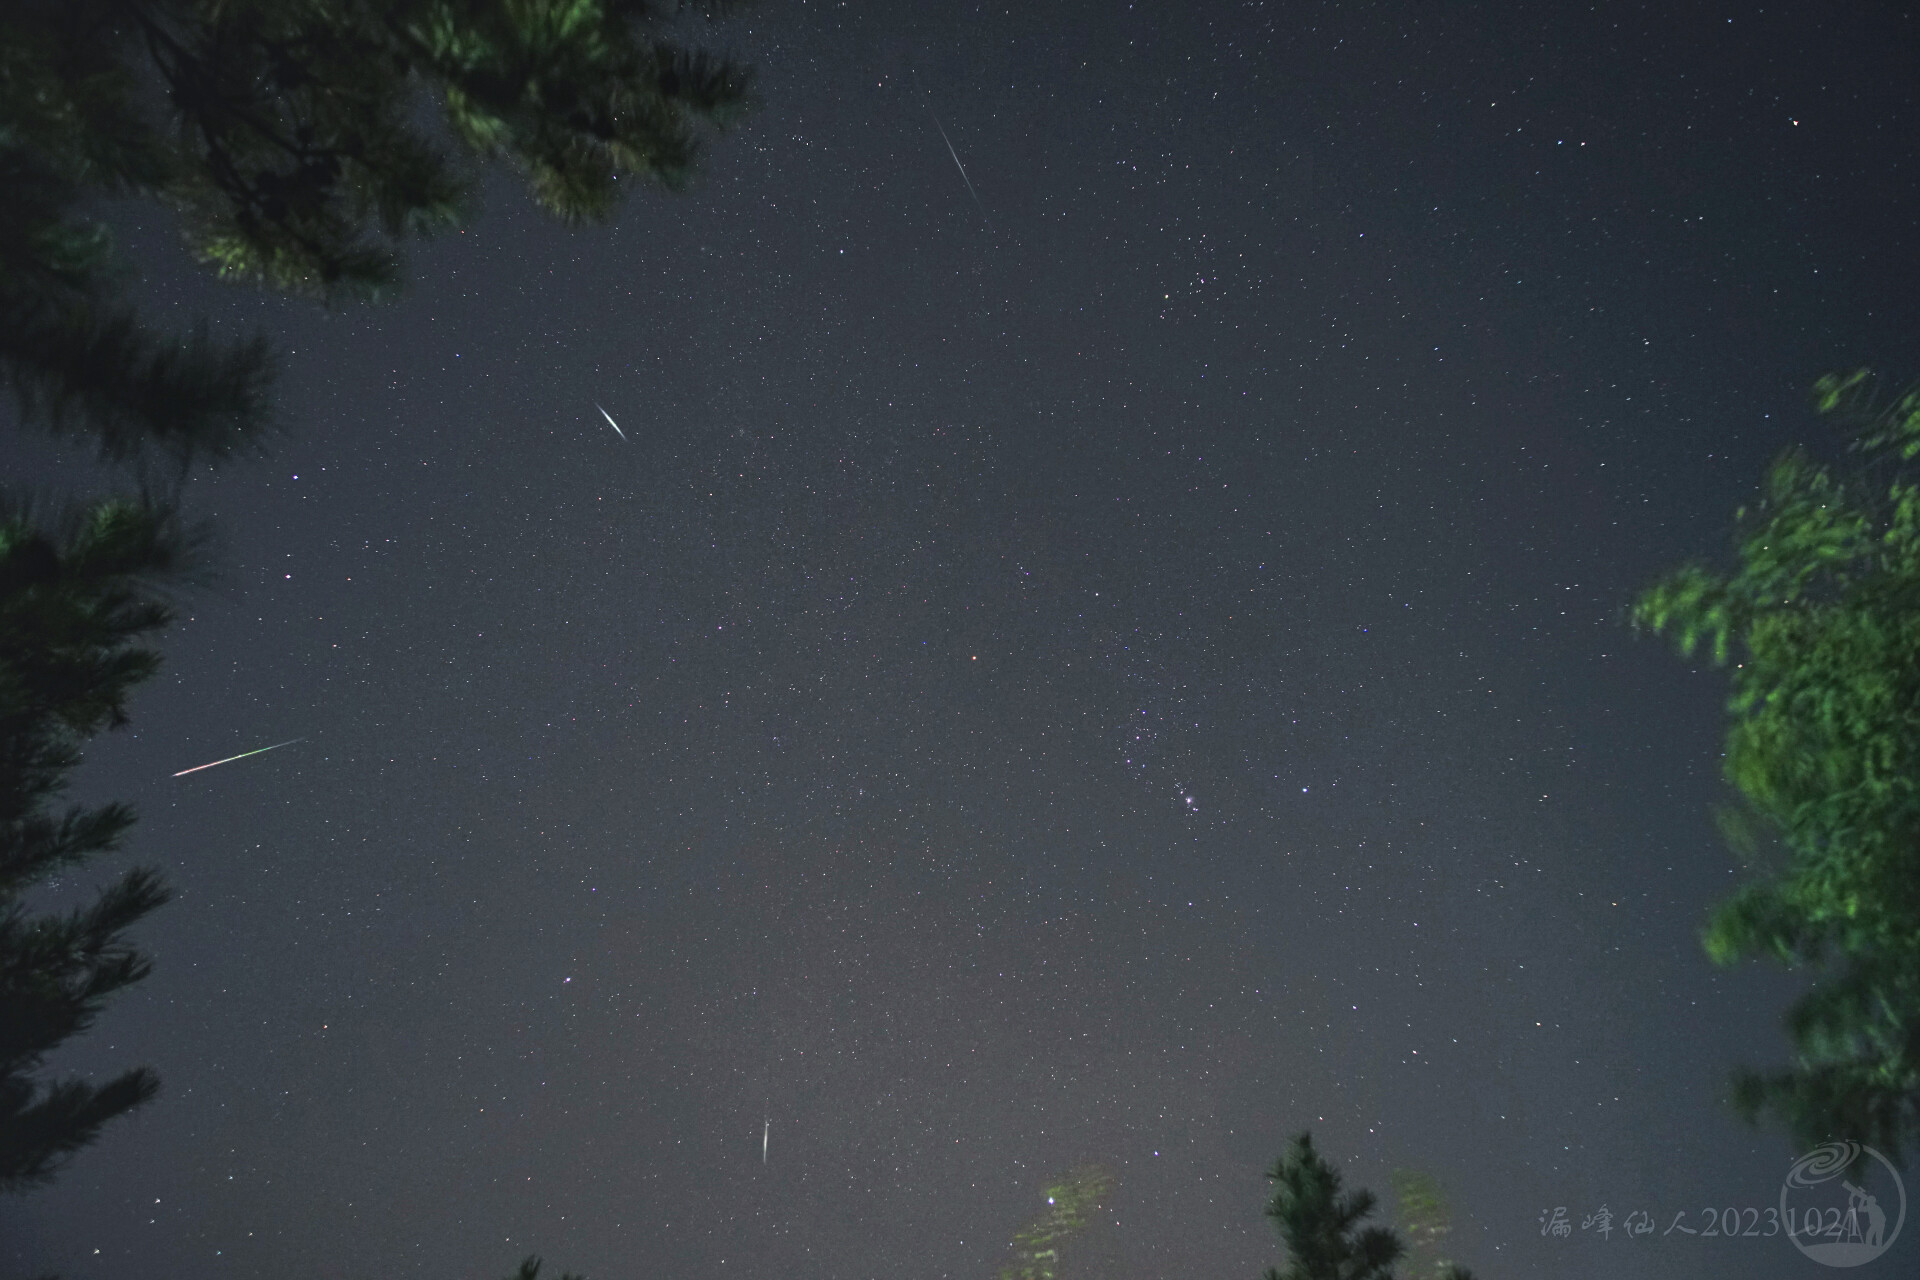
{"x": 1322, "y": 1227}
{"x": 76, "y": 609}
{"x": 289, "y": 137}
{"x": 530, "y": 1270}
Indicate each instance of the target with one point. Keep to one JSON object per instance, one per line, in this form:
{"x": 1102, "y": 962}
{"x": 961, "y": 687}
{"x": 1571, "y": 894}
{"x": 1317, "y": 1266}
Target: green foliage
{"x": 1425, "y": 1219}
{"x": 291, "y": 135}
{"x": 1819, "y": 623}
{"x": 78, "y": 597}
{"x": 1072, "y": 1200}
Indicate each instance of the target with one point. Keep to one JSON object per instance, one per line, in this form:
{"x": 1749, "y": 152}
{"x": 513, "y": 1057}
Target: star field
{"x": 1119, "y": 683}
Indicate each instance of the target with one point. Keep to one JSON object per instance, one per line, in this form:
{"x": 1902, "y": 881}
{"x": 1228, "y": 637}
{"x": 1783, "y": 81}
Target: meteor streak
{"x": 610, "y": 422}
{"x": 242, "y": 756}
{"x": 766, "y": 1127}
{"x": 962, "y": 168}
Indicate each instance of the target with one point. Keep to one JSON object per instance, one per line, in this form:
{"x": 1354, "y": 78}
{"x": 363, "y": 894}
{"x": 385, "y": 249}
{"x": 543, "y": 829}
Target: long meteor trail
{"x": 610, "y": 422}
{"x": 962, "y": 168}
{"x": 242, "y": 756}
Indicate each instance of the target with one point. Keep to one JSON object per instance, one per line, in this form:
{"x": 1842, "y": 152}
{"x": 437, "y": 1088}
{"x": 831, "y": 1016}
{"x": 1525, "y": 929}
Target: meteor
{"x": 766, "y": 1127}
{"x": 962, "y": 168}
{"x": 242, "y": 756}
{"x": 610, "y": 422}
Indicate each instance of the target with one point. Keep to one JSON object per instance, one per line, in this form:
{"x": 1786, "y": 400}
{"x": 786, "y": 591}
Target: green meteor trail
{"x": 242, "y": 756}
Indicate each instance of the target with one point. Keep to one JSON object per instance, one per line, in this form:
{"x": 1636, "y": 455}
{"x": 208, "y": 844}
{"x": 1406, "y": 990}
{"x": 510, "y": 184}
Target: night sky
{"x": 1119, "y": 672}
